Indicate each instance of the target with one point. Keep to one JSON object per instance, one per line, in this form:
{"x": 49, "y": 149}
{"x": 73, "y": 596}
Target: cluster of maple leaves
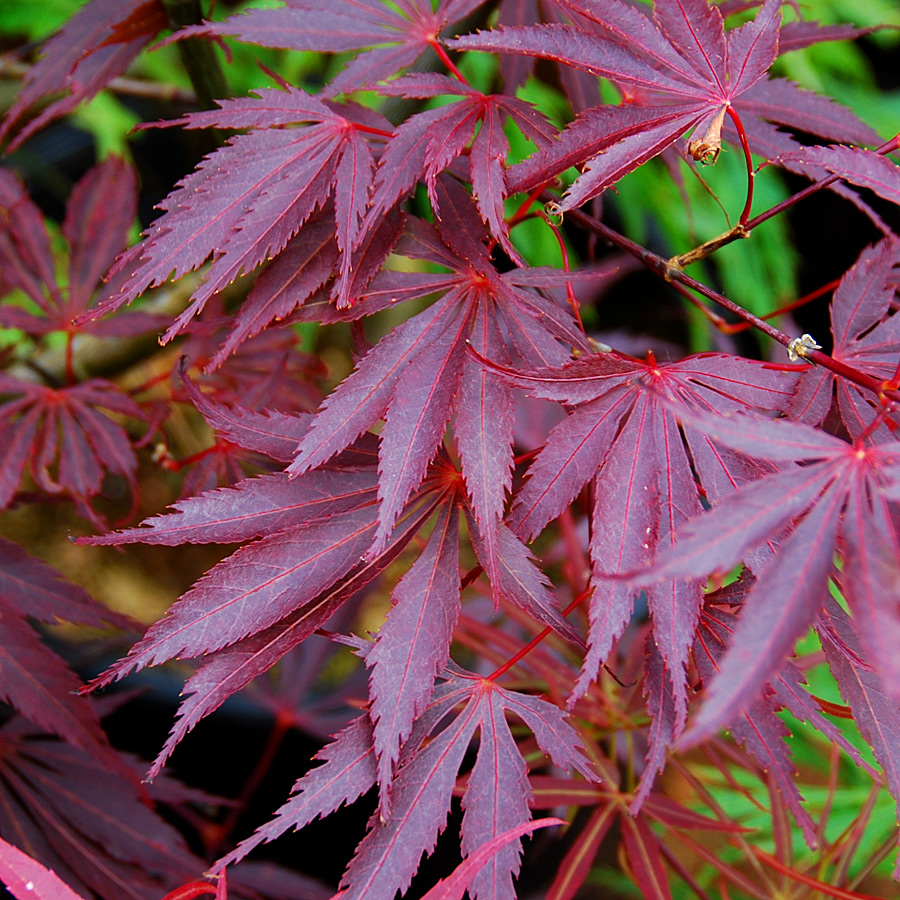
{"x": 663, "y": 476}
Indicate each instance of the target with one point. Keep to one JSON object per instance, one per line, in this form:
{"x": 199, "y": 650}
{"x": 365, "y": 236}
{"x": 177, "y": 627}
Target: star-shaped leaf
{"x": 834, "y": 497}
{"x": 644, "y": 472}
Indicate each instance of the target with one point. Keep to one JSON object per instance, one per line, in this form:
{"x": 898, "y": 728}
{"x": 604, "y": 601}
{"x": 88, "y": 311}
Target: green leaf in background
{"x": 109, "y": 121}
{"x": 19, "y": 17}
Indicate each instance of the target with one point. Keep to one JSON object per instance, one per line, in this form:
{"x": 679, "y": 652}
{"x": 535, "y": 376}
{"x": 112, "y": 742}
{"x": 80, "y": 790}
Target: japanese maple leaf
{"x": 253, "y": 195}
{"x": 303, "y": 275}
{"x": 33, "y": 679}
{"x": 309, "y": 536}
{"x": 427, "y": 143}
{"x": 307, "y": 521}
{"x": 644, "y": 473}
{"x": 66, "y": 437}
{"x": 420, "y": 374}
{"x": 113, "y": 843}
{"x": 305, "y": 535}
{"x": 836, "y": 502}
{"x": 233, "y": 667}
{"x": 398, "y": 33}
{"x": 95, "y": 46}
{"x": 100, "y": 210}
{"x": 495, "y": 799}
{"x": 866, "y": 337}
{"x": 25, "y": 877}
{"x": 678, "y": 70}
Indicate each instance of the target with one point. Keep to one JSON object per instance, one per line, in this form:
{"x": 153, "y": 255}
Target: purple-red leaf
{"x": 696, "y": 30}
{"x": 420, "y": 801}
{"x": 63, "y": 433}
{"x": 100, "y": 210}
{"x": 39, "y": 684}
{"x": 792, "y": 585}
{"x": 454, "y": 886}
{"x": 422, "y": 789}
{"x": 413, "y": 645}
{"x": 389, "y": 381}
{"x": 253, "y": 195}
{"x": 27, "y": 879}
{"x": 399, "y": 35}
{"x": 859, "y": 167}
{"x": 83, "y": 58}
{"x": 643, "y": 480}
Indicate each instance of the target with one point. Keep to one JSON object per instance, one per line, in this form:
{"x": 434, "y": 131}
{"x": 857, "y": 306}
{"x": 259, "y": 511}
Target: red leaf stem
{"x": 445, "y": 59}
{"x": 537, "y": 640}
{"x": 751, "y": 174}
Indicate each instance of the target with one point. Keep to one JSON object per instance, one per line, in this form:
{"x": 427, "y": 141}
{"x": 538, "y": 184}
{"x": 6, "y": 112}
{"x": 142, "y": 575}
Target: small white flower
{"x": 799, "y": 346}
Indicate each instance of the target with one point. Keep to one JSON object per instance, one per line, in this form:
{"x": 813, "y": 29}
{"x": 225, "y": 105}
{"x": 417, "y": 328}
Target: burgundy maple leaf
{"x": 309, "y": 536}
{"x": 101, "y": 209}
{"x": 836, "y": 498}
{"x": 644, "y": 472}
{"x": 495, "y": 800}
{"x": 678, "y": 70}
{"x": 69, "y": 434}
{"x": 398, "y": 34}
{"x": 420, "y": 374}
{"x": 253, "y": 195}
{"x": 95, "y": 46}
{"x": 66, "y": 437}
